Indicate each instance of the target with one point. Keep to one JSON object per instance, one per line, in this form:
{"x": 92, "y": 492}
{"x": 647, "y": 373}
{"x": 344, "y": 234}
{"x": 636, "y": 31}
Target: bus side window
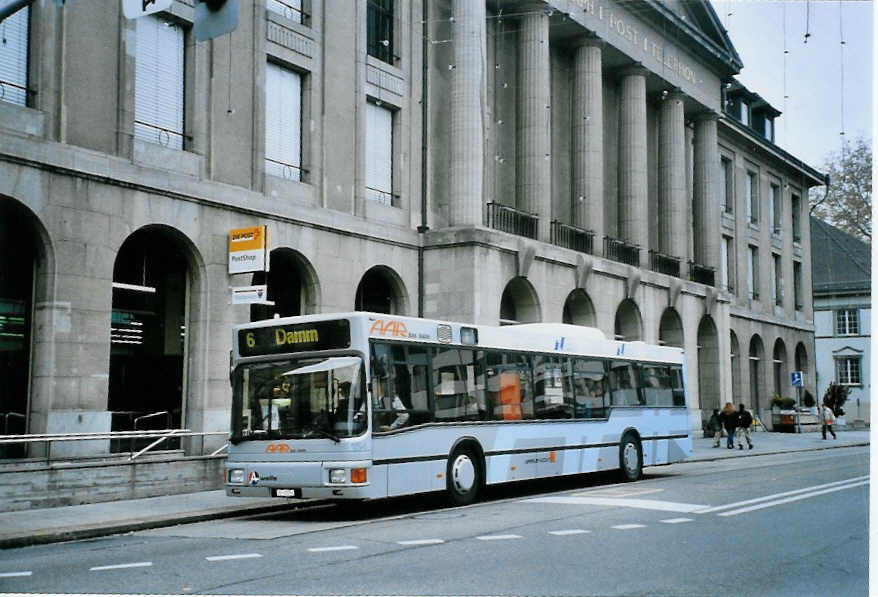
{"x": 590, "y": 383}
{"x": 455, "y": 392}
{"x": 553, "y": 392}
{"x": 656, "y": 385}
{"x": 677, "y": 388}
{"x": 509, "y": 385}
{"x": 623, "y": 384}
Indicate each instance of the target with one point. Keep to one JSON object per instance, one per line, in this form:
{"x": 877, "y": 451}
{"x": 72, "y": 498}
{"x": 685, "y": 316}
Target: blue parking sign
{"x": 796, "y": 379}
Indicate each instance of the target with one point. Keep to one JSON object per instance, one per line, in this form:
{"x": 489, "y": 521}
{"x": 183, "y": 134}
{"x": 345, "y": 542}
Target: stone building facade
{"x": 586, "y": 161}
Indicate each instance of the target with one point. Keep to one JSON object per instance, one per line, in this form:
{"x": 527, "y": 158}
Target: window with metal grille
{"x": 379, "y": 30}
{"x": 13, "y": 57}
{"x": 847, "y": 322}
{"x": 291, "y": 9}
{"x": 283, "y": 122}
{"x": 847, "y": 371}
{"x": 158, "y": 92}
{"x": 379, "y": 154}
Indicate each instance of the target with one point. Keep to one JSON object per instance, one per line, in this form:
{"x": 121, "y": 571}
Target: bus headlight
{"x": 337, "y": 475}
{"x": 236, "y": 476}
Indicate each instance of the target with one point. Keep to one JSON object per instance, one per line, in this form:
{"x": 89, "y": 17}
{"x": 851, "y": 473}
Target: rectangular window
{"x": 769, "y": 129}
{"x": 624, "y": 384}
{"x": 796, "y": 208}
{"x": 509, "y": 385}
{"x": 744, "y": 112}
{"x": 797, "y": 284}
{"x": 848, "y": 371}
{"x": 379, "y": 154}
{"x": 753, "y": 273}
{"x": 399, "y": 386}
{"x": 776, "y": 210}
{"x": 727, "y": 178}
{"x": 553, "y": 388}
{"x": 379, "y": 29}
{"x": 158, "y": 92}
{"x": 776, "y": 279}
{"x": 283, "y": 122}
{"x": 847, "y": 322}
{"x": 591, "y": 387}
{"x": 291, "y": 9}
{"x": 13, "y": 58}
{"x": 727, "y": 263}
{"x": 752, "y": 192}
{"x": 457, "y": 393}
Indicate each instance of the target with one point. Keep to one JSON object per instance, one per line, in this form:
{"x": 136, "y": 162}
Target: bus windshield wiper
{"x": 324, "y": 433}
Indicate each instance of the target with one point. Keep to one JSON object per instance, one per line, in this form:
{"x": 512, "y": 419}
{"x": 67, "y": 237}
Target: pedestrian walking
{"x": 745, "y": 419}
{"x": 828, "y": 421}
{"x": 729, "y": 419}
{"x": 715, "y": 428}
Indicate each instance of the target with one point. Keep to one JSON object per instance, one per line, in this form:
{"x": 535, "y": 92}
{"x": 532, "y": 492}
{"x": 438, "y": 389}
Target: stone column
{"x": 533, "y": 167}
{"x": 633, "y": 212}
{"x": 672, "y": 176}
{"x": 468, "y": 83}
{"x": 588, "y": 138}
{"x": 706, "y": 197}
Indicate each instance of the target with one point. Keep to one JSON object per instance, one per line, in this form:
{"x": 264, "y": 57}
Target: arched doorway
{"x": 20, "y": 244}
{"x": 671, "y": 328}
{"x": 781, "y": 378}
{"x": 627, "y": 326}
{"x": 292, "y": 286}
{"x": 381, "y": 291}
{"x": 149, "y": 324}
{"x": 735, "y": 357}
{"x": 708, "y": 365}
{"x": 519, "y": 303}
{"x": 756, "y": 355}
{"x": 578, "y": 309}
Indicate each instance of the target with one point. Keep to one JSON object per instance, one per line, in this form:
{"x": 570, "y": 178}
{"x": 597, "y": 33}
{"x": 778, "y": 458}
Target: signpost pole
{"x": 798, "y": 409}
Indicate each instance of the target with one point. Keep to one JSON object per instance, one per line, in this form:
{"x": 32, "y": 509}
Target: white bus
{"x": 365, "y": 405}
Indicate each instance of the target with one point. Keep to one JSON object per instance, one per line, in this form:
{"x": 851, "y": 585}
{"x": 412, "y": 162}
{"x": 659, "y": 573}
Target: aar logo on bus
{"x": 389, "y": 327}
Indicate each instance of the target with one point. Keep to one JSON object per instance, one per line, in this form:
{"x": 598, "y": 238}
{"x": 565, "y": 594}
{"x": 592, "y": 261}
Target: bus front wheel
{"x": 463, "y": 478}
{"x": 630, "y": 457}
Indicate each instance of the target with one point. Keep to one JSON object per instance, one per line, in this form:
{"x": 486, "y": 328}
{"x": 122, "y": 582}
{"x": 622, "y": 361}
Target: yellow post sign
{"x": 248, "y": 250}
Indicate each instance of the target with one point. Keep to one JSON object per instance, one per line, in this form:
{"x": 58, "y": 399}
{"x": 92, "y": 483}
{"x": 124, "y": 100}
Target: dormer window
{"x": 769, "y": 128}
{"x": 744, "y": 112}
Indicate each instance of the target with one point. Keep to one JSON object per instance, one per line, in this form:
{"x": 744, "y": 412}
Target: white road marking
{"x": 335, "y": 548}
{"x": 626, "y": 527}
{"x": 421, "y": 542}
{"x": 569, "y": 532}
{"x": 120, "y": 566}
{"x": 794, "y": 498}
{"x": 623, "y": 502}
{"x": 676, "y": 520}
{"x": 240, "y": 556}
{"x": 708, "y": 510}
{"x": 14, "y": 574}
{"x": 497, "y": 537}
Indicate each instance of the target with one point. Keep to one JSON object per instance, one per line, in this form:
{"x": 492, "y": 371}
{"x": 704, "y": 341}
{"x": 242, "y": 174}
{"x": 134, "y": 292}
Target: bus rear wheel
{"x": 630, "y": 457}
{"x": 463, "y": 476}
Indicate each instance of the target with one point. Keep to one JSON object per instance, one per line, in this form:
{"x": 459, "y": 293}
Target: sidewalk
{"x": 50, "y": 525}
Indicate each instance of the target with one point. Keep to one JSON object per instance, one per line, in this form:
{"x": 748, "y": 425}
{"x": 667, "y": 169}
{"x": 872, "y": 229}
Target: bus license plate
{"x": 293, "y": 493}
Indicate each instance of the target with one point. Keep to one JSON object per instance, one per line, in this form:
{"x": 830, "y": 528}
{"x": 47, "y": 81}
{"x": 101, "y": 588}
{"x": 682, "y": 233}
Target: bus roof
{"x": 539, "y": 337}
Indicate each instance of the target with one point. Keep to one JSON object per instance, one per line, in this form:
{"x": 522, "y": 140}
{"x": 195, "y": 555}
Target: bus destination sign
{"x": 275, "y": 339}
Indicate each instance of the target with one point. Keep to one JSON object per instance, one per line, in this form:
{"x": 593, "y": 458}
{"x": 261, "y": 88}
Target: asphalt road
{"x": 788, "y": 524}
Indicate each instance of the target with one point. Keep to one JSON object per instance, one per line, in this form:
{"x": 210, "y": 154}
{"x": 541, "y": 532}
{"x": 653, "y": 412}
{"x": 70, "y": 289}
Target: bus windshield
{"x": 299, "y": 399}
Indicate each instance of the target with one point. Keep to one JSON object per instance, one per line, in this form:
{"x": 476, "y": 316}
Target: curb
{"x": 75, "y": 533}
{"x": 749, "y": 453}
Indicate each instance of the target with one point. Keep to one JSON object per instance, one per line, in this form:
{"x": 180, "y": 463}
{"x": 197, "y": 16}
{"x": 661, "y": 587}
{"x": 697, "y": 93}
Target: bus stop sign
{"x": 796, "y": 379}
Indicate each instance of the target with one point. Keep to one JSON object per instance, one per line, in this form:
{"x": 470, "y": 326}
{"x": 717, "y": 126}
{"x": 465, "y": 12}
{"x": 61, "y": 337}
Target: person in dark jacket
{"x": 715, "y": 428}
{"x": 745, "y": 419}
{"x": 729, "y": 419}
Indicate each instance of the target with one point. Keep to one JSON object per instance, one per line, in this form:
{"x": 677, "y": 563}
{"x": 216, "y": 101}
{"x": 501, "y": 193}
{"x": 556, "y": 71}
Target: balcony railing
{"x": 701, "y": 274}
{"x": 511, "y": 220}
{"x": 664, "y": 264}
{"x": 572, "y": 237}
{"x": 621, "y": 251}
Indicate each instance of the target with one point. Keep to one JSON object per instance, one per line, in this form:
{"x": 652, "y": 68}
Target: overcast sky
{"x": 811, "y": 122}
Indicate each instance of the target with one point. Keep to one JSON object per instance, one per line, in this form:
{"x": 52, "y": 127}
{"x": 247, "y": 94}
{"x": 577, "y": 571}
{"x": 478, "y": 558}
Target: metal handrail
{"x": 153, "y": 444}
{"x": 11, "y": 414}
{"x": 151, "y": 415}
